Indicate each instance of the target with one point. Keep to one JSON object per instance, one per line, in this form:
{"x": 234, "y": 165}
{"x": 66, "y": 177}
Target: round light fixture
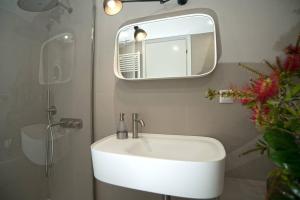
{"x": 112, "y": 7}
{"x": 182, "y": 2}
{"x": 139, "y": 34}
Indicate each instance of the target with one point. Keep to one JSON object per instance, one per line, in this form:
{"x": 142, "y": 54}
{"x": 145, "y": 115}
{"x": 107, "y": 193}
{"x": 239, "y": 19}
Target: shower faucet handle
{"x": 67, "y": 123}
{"x": 54, "y": 124}
{"x": 71, "y": 123}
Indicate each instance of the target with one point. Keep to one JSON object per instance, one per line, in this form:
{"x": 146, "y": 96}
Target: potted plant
{"x": 274, "y": 100}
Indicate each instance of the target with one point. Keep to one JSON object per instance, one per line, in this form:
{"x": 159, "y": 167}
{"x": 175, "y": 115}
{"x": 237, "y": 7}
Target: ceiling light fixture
{"x": 139, "y": 34}
{"x": 112, "y": 7}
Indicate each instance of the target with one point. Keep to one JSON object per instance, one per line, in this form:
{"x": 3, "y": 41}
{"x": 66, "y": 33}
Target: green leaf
{"x": 291, "y": 110}
{"x": 273, "y": 102}
{"x": 293, "y": 124}
{"x": 293, "y": 92}
{"x": 279, "y": 140}
{"x": 295, "y": 187}
{"x": 288, "y": 159}
{"x": 283, "y": 150}
{"x": 281, "y": 186}
{"x": 251, "y": 104}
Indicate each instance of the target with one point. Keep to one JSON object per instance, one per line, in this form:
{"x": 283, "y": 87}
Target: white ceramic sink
{"x": 183, "y": 166}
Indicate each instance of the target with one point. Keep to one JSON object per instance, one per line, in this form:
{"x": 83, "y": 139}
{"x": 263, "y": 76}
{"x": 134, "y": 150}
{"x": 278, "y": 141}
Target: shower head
{"x": 41, "y": 5}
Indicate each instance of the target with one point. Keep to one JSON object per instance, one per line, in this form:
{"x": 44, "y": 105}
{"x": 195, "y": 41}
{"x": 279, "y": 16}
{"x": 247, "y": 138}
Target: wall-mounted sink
{"x": 175, "y": 165}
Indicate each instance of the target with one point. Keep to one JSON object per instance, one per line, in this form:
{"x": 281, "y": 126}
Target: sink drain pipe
{"x": 166, "y": 197}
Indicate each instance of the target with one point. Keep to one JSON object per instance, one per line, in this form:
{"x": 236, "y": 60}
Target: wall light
{"x": 139, "y": 34}
{"x": 112, "y": 7}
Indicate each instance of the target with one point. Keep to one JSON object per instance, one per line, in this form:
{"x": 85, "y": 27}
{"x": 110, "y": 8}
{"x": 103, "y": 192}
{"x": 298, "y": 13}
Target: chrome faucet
{"x": 135, "y": 123}
{"x": 55, "y": 124}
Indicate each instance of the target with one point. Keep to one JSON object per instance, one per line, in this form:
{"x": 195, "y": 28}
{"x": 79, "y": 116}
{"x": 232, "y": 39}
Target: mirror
{"x": 180, "y": 46}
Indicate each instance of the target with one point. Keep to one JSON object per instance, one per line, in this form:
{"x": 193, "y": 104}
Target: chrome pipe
{"x": 166, "y": 197}
{"x": 47, "y": 155}
{"x": 49, "y": 117}
{"x": 51, "y": 148}
{"x": 51, "y": 111}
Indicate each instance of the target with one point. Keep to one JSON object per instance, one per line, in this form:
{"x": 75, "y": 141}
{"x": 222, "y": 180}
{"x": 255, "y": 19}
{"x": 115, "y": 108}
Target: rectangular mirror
{"x": 181, "y": 46}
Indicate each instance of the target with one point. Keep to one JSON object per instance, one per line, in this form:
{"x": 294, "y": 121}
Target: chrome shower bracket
{"x": 52, "y": 110}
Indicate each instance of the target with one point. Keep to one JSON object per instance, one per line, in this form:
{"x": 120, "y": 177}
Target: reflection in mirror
{"x": 174, "y": 47}
{"x": 57, "y": 59}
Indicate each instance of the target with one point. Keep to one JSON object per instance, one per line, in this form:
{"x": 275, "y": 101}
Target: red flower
{"x": 265, "y": 88}
{"x": 260, "y": 115}
{"x": 292, "y": 50}
{"x": 292, "y": 63}
{"x": 247, "y": 96}
{"x": 245, "y": 100}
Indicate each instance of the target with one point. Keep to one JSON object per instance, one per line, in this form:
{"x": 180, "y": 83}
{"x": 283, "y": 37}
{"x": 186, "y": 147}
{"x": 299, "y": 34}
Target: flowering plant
{"x": 274, "y": 100}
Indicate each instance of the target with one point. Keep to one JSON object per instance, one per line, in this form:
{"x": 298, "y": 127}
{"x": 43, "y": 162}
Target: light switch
{"x": 225, "y": 99}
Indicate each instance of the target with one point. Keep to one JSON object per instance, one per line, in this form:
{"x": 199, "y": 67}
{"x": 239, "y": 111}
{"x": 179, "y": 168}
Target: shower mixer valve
{"x": 67, "y": 123}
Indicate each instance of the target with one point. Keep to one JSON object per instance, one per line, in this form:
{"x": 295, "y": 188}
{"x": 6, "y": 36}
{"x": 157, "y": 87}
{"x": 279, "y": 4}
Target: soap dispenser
{"x": 122, "y": 132}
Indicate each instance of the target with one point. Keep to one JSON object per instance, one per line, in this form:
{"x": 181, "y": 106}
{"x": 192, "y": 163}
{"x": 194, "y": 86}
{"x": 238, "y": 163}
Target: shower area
{"x": 46, "y": 67}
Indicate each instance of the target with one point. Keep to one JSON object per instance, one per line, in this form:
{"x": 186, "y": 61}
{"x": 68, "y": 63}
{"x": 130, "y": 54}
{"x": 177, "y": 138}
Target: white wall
{"x": 250, "y": 31}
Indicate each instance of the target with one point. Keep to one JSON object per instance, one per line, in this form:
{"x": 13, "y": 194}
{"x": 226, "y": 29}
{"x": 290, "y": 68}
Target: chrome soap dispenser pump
{"x": 122, "y": 132}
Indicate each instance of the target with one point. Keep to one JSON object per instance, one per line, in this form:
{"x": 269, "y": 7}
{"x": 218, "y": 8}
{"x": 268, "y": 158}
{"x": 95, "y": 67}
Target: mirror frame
{"x": 157, "y": 18}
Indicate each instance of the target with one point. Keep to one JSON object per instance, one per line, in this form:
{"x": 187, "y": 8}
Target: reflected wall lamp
{"x": 139, "y": 34}
{"x": 112, "y": 7}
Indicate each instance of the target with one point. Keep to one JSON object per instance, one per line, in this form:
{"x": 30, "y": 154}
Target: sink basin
{"x": 175, "y": 165}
